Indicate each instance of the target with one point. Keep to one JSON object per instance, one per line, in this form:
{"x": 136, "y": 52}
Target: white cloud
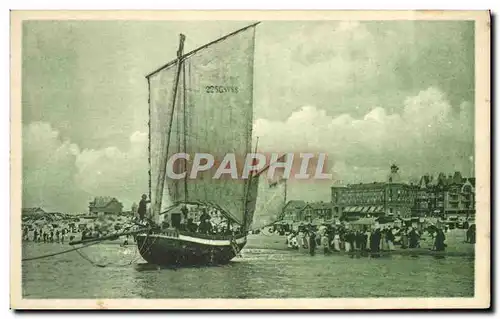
{"x": 425, "y": 137}
{"x": 58, "y": 176}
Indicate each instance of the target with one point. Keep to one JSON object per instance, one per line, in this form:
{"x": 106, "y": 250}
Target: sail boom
{"x": 185, "y": 56}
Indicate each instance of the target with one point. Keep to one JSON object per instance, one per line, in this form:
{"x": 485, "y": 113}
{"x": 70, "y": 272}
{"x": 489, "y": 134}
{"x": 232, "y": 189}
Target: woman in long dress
{"x": 439, "y": 244}
{"x": 347, "y": 241}
{"x": 336, "y": 242}
{"x": 368, "y": 236}
{"x": 390, "y": 239}
{"x": 404, "y": 238}
{"x": 305, "y": 240}
{"x": 324, "y": 243}
{"x": 383, "y": 243}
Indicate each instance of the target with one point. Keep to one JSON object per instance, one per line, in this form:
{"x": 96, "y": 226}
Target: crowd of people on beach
{"x": 337, "y": 238}
{"x": 48, "y": 235}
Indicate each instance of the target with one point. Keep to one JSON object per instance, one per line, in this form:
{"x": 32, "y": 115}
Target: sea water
{"x": 257, "y": 273}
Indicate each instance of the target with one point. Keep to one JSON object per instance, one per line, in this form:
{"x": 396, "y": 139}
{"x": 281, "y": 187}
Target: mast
{"x": 149, "y": 141}
{"x": 163, "y": 165}
{"x": 286, "y": 182}
{"x": 184, "y": 126}
{"x": 284, "y": 200}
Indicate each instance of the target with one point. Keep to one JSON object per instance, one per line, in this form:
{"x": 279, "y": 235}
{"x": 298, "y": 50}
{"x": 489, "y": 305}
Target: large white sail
{"x": 270, "y": 202}
{"x": 213, "y": 114}
{"x": 160, "y": 110}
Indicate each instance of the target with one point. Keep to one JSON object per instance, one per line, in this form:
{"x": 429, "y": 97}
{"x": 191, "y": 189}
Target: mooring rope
{"x": 84, "y": 256}
{"x": 59, "y": 253}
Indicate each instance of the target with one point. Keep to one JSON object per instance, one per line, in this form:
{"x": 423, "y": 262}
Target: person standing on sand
{"x": 312, "y": 242}
{"x": 439, "y": 244}
{"x": 336, "y": 241}
{"x": 404, "y": 238}
{"x": 325, "y": 243}
{"x": 390, "y": 239}
{"x": 367, "y": 238}
{"x": 375, "y": 242}
{"x": 143, "y": 206}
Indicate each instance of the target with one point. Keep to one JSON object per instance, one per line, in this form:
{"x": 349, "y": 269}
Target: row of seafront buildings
{"x": 100, "y": 205}
{"x": 440, "y": 196}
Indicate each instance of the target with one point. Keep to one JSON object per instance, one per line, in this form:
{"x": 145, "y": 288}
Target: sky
{"x": 369, "y": 94}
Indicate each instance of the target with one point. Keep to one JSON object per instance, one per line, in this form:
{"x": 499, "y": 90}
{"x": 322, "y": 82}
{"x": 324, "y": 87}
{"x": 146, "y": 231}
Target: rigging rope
{"x": 59, "y": 253}
{"x": 84, "y": 256}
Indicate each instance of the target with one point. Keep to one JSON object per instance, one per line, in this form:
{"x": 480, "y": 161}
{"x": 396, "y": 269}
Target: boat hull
{"x": 177, "y": 249}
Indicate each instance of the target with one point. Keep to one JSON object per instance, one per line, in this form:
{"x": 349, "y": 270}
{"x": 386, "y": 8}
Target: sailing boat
{"x": 202, "y": 102}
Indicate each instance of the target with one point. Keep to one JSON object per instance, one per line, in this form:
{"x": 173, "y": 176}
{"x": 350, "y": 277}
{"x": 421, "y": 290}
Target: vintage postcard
{"x": 250, "y": 160}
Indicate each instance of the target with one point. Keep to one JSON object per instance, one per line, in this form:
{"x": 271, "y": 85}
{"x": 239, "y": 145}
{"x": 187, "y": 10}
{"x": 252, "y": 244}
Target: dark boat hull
{"x": 178, "y": 249}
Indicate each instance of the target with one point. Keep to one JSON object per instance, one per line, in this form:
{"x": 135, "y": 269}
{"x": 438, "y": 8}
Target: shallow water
{"x": 258, "y": 273}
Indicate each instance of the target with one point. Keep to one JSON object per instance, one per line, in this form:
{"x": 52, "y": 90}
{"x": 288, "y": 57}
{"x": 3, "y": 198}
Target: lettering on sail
{"x": 221, "y": 89}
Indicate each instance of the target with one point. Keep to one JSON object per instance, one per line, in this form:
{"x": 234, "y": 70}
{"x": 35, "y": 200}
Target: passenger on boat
{"x": 165, "y": 224}
{"x": 237, "y": 230}
{"x": 184, "y": 212}
{"x": 143, "y": 206}
{"x": 205, "y": 226}
{"x": 227, "y": 231}
{"x": 191, "y": 226}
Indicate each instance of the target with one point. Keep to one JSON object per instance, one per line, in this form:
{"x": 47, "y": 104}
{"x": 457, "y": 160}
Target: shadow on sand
{"x": 152, "y": 267}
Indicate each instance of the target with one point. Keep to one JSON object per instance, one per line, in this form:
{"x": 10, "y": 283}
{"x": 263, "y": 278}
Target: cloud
{"x": 59, "y": 176}
{"x": 351, "y": 67}
{"x": 427, "y": 136}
